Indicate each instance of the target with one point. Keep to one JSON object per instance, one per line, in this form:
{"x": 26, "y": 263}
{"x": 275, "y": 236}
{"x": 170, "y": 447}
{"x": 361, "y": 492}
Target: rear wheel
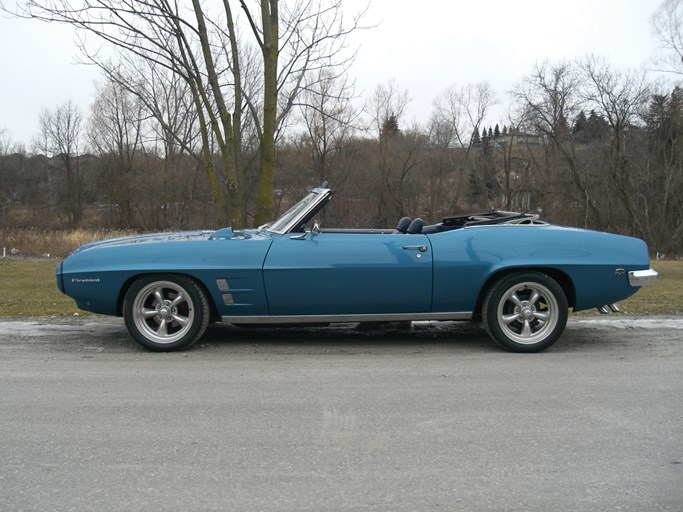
{"x": 525, "y": 312}
{"x": 166, "y": 312}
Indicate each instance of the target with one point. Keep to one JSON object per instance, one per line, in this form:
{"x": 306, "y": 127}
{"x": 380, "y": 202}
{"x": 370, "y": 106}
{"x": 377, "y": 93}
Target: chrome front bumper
{"x": 641, "y": 277}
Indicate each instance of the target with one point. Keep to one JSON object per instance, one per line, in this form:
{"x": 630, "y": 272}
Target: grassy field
{"x": 28, "y": 288}
{"x": 664, "y": 296}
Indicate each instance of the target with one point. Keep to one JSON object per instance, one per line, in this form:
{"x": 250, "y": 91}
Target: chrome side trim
{"x": 315, "y": 319}
{"x": 641, "y": 277}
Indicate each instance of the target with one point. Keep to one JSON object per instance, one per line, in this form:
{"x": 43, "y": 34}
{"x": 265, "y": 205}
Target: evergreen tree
{"x": 591, "y": 129}
{"x": 597, "y": 127}
{"x": 579, "y": 123}
{"x": 664, "y": 125}
{"x": 390, "y": 127}
{"x": 476, "y": 139}
{"x": 483, "y": 186}
{"x": 496, "y": 131}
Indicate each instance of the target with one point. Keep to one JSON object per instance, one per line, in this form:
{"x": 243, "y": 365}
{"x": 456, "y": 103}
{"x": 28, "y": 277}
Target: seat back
{"x": 403, "y": 224}
{"x": 415, "y": 227}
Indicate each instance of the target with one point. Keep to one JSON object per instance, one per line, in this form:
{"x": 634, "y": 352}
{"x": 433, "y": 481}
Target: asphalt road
{"x": 341, "y": 419}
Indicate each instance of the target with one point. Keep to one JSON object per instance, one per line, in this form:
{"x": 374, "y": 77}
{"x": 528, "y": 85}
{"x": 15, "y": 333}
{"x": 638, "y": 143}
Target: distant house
{"x": 519, "y": 139}
{"x": 514, "y": 139}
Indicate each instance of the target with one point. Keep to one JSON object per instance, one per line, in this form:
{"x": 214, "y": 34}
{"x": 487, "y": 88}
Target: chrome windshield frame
{"x": 297, "y": 213}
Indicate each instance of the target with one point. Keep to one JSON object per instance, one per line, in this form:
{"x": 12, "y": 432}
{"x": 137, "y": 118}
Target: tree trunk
{"x": 270, "y": 50}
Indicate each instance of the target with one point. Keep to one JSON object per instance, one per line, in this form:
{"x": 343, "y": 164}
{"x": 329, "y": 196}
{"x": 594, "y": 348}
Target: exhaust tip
{"x": 604, "y": 310}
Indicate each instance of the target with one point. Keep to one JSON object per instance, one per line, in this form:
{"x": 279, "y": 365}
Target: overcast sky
{"x": 424, "y": 45}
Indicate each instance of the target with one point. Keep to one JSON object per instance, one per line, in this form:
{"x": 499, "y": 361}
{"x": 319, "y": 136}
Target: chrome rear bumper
{"x": 641, "y": 277}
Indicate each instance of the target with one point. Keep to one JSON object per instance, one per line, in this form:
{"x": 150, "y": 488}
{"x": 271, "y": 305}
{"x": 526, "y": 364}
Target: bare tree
{"x": 443, "y": 190}
{"x": 464, "y": 110}
{"x": 667, "y": 26}
{"x": 387, "y": 105}
{"x": 329, "y": 119}
{"x": 60, "y": 139}
{"x": 175, "y": 142}
{"x": 388, "y": 101}
{"x": 297, "y": 40}
{"x": 5, "y": 190}
{"x": 116, "y": 137}
{"x": 660, "y": 185}
{"x": 163, "y": 35}
{"x": 459, "y": 113}
{"x": 203, "y": 47}
{"x": 549, "y": 98}
{"x": 513, "y": 160}
{"x": 619, "y": 97}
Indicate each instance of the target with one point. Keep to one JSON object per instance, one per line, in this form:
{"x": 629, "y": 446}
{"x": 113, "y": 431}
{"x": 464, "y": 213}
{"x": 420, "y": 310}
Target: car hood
{"x": 146, "y": 239}
{"x": 183, "y": 236}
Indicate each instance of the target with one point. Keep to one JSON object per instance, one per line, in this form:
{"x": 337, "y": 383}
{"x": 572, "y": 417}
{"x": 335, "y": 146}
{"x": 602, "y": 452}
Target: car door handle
{"x": 421, "y": 248}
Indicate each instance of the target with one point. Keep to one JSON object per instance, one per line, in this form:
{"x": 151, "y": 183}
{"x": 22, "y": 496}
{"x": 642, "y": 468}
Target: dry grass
{"x": 52, "y": 243}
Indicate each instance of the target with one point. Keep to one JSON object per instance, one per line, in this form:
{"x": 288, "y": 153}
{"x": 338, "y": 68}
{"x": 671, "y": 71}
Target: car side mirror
{"x": 316, "y": 228}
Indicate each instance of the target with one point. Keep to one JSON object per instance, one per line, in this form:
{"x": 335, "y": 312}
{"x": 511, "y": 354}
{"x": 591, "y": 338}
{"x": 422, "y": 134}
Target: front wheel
{"x": 525, "y": 312}
{"x": 166, "y": 312}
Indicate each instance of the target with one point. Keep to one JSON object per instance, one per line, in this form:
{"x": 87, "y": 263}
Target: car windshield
{"x": 288, "y": 220}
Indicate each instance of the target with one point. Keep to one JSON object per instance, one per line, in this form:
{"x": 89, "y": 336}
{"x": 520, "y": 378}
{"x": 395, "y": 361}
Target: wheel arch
{"x": 559, "y": 276}
{"x": 129, "y": 282}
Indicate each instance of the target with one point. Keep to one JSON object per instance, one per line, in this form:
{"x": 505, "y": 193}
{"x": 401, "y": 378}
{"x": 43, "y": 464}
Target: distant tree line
{"x": 191, "y": 143}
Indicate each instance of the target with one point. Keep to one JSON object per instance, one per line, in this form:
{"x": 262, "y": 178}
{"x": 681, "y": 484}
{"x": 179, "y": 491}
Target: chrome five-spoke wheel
{"x": 525, "y": 312}
{"x": 165, "y": 312}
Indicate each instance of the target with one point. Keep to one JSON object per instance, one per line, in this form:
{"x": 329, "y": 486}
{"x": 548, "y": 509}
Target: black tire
{"x": 166, "y": 312}
{"x": 525, "y": 312}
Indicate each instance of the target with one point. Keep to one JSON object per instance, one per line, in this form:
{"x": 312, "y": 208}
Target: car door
{"x": 349, "y": 273}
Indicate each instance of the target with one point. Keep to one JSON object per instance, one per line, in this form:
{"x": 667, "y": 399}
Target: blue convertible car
{"x": 518, "y": 275}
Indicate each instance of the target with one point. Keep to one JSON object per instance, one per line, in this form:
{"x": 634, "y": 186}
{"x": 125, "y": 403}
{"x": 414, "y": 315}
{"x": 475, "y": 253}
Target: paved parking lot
{"x": 341, "y": 419}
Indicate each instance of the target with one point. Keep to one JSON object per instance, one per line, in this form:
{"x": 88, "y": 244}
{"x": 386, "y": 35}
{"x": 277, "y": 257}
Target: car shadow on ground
{"x": 106, "y": 334}
{"x": 420, "y": 337}
{"x": 350, "y": 338}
